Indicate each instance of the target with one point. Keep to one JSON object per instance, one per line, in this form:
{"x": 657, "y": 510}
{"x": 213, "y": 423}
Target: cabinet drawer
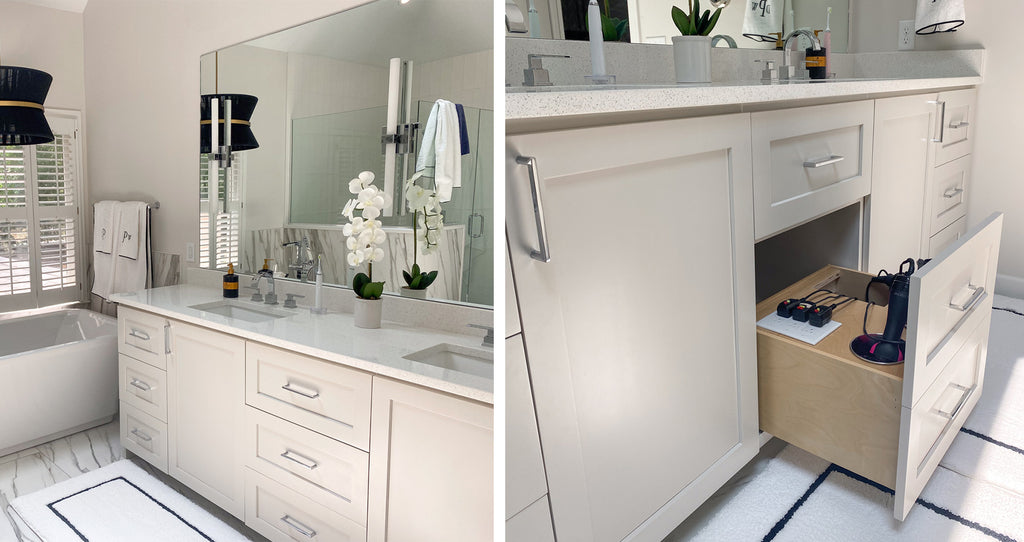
{"x": 956, "y": 131}
{"x": 143, "y": 336}
{"x": 808, "y": 162}
{"x": 947, "y": 197}
{"x": 319, "y": 395}
{"x": 282, "y": 514}
{"x": 938, "y": 242}
{"x": 143, "y": 386}
{"x": 328, "y": 472}
{"x": 144, "y": 435}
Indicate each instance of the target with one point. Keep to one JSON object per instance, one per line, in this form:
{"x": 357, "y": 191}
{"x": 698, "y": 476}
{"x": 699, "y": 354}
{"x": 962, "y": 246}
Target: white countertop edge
{"x": 533, "y": 105}
{"x": 446, "y": 386}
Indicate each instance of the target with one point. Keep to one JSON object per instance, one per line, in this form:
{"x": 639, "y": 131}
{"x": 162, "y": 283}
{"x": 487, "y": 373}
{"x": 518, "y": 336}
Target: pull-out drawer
{"x": 284, "y": 515}
{"x": 947, "y": 198}
{"x": 955, "y": 131}
{"x": 328, "y": 398}
{"x": 951, "y": 234}
{"x": 144, "y": 435}
{"x": 328, "y": 472}
{"x": 809, "y": 161}
{"x": 874, "y": 419}
{"x": 143, "y": 386}
{"x": 143, "y": 336}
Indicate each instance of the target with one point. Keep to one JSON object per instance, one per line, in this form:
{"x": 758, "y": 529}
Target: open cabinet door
{"x": 947, "y": 337}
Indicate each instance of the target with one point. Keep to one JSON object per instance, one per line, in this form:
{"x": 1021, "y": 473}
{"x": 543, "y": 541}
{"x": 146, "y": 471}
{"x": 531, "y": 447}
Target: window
{"x": 39, "y": 219}
{"x": 219, "y": 242}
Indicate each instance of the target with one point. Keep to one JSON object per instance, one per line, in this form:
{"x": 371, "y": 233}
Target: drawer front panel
{"x": 144, "y": 435}
{"x": 281, "y": 514}
{"x": 948, "y": 297}
{"x": 143, "y": 336}
{"x": 808, "y": 162}
{"x": 328, "y": 398}
{"x": 143, "y": 386}
{"x": 948, "y": 197}
{"x": 957, "y": 130}
{"x": 927, "y": 430}
{"x": 326, "y": 471}
{"x": 532, "y": 524}
{"x": 946, "y": 237}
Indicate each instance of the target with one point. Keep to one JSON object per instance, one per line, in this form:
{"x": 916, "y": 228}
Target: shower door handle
{"x": 478, "y": 233}
{"x": 544, "y": 254}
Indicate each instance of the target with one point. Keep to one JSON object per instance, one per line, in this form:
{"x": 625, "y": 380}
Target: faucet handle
{"x": 535, "y": 75}
{"x": 289, "y": 302}
{"x": 489, "y": 337}
{"x": 770, "y": 74}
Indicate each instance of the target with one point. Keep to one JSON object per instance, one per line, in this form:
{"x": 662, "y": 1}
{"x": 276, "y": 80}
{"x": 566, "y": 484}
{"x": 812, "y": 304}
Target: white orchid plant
{"x": 427, "y": 222}
{"x": 365, "y": 233}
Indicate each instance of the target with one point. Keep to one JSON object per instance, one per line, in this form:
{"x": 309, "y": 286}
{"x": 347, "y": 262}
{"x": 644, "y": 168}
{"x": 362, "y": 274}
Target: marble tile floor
{"x": 33, "y": 469}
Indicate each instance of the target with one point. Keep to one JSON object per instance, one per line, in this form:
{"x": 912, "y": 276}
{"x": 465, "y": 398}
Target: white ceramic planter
{"x": 367, "y": 313}
{"x": 692, "y": 56}
{"x": 416, "y": 294}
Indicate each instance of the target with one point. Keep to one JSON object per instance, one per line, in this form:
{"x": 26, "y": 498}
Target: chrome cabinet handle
{"x": 141, "y": 435}
{"x": 139, "y": 334}
{"x": 942, "y": 120}
{"x": 832, "y": 159}
{"x": 960, "y": 405}
{"x": 295, "y": 524}
{"x": 961, "y": 124}
{"x": 952, "y": 192}
{"x": 970, "y": 303}
{"x": 301, "y": 460}
{"x": 167, "y": 338}
{"x": 140, "y": 384}
{"x": 542, "y": 255}
{"x": 310, "y": 394}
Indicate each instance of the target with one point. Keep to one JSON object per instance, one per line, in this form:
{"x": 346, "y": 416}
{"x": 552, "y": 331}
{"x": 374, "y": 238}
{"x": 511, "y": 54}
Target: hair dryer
{"x": 889, "y": 347}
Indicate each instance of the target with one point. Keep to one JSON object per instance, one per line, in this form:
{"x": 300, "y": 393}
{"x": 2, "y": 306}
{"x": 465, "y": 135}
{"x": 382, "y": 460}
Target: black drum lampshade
{"x": 22, "y": 92}
{"x": 242, "y": 106}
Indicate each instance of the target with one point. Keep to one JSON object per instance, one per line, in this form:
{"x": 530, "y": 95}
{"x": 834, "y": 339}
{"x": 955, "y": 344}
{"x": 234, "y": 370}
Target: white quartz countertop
{"x": 332, "y": 337}
{"x": 541, "y": 102}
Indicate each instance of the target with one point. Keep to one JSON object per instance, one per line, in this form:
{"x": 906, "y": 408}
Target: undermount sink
{"x": 238, "y": 311}
{"x": 463, "y": 359}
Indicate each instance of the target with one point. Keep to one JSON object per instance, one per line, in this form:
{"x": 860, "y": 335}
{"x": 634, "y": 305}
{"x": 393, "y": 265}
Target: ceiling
{"x": 422, "y": 30}
{"x": 77, "y": 6}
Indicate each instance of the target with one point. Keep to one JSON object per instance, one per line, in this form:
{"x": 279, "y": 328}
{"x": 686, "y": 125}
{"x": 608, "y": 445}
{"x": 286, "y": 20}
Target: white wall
{"x": 465, "y": 79}
{"x": 49, "y": 40}
{"x": 142, "y": 94}
{"x": 997, "y": 182}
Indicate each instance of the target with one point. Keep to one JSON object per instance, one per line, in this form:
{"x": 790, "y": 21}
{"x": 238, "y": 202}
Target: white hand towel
{"x": 131, "y": 266}
{"x": 106, "y": 216}
{"x": 448, "y": 152}
{"x": 103, "y": 230}
{"x": 762, "y": 18}
{"x": 934, "y": 16}
{"x": 426, "y": 156}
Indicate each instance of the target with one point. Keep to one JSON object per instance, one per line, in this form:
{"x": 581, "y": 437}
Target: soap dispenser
{"x": 231, "y": 282}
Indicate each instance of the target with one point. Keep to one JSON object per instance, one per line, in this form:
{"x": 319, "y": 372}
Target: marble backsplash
{"x": 398, "y": 252}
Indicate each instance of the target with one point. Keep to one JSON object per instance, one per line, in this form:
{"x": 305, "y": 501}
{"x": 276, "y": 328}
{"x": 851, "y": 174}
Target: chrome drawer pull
{"x": 302, "y": 529}
{"x": 296, "y": 458}
{"x": 167, "y": 338}
{"x": 961, "y": 124}
{"x": 141, "y": 435}
{"x": 310, "y": 394}
{"x": 975, "y": 297}
{"x": 960, "y": 405}
{"x": 952, "y": 192}
{"x": 139, "y": 334}
{"x": 832, "y": 159}
{"x": 141, "y": 385}
{"x": 544, "y": 254}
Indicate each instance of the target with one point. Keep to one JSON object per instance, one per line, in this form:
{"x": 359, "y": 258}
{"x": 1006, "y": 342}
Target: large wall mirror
{"x": 327, "y": 90}
{"x": 649, "y": 21}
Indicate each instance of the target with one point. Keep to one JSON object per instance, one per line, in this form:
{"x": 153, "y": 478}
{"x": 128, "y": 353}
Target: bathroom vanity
{"x": 663, "y": 220}
{"x": 304, "y": 426}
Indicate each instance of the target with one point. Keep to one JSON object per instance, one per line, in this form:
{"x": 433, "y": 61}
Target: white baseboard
{"x": 1010, "y": 286}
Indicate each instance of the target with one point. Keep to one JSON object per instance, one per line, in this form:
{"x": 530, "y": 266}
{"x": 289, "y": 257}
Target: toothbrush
{"x": 826, "y": 43}
{"x": 534, "y": 19}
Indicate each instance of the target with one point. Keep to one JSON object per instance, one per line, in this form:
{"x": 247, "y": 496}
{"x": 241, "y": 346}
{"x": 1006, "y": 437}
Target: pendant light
{"x": 22, "y": 92}
{"x": 222, "y": 110}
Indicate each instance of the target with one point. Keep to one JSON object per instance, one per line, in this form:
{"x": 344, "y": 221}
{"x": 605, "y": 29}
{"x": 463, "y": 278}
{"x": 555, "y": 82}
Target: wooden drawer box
{"x": 880, "y": 420}
{"x": 809, "y": 161}
{"x": 143, "y": 336}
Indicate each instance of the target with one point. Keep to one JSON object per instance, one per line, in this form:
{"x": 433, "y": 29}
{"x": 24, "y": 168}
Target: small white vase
{"x": 367, "y": 313}
{"x": 415, "y": 294}
{"x": 692, "y": 56}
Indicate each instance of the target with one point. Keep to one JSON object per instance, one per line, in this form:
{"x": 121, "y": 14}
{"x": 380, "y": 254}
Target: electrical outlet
{"x": 190, "y": 252}
{"x": 906, "y": 36}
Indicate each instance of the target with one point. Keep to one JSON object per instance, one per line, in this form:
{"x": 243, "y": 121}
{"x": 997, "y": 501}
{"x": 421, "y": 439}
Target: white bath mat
{"x": 119, "y": 502}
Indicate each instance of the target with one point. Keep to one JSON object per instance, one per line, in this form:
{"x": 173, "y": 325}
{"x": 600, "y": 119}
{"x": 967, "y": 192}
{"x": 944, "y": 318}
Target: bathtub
{"x": 58, "y": 375}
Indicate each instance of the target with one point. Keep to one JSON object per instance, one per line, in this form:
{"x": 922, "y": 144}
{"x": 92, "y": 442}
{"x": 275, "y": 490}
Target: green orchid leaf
{"x": 415, "y": 269}
{"x": 694, "y": 16}
{"x": 703, "y": 23}
{"x": 415, "y": 284}
{"x": 374, "y": 289}
{"x": 712, "y": 22}
{"x": 681, "y": 20}
{"x": 428, "y": 279}
{"x": 608, "y": 29}
{"x": 359, "y": 282}
{"x": 621, "y": 28}
{"x": 407, "y": 277}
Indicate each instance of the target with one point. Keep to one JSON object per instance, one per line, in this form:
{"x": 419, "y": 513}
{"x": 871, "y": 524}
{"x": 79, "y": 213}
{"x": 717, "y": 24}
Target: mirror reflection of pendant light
{"x": 219, "y": 110}
{"x": 22, "y": 92}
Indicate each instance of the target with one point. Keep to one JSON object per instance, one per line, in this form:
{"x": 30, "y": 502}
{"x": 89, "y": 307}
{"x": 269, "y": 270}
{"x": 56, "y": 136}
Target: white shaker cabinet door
{"x": 640, "y": 326}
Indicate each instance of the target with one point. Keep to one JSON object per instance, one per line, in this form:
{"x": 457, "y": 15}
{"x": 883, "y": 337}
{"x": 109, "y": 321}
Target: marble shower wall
{"x": 398, "y": 253}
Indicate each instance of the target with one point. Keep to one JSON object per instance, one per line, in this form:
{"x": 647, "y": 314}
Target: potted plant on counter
{"x": 692, "y": 50}
{"x": 365, "y": 239}
{"x": 427, "y": 222}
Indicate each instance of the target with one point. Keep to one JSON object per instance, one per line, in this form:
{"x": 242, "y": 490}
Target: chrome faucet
{"x": 489, "y": 337}
{"x": 787, "y": 70}
{"x": 271, "y": 297}
{"x": 304, "y": 263}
